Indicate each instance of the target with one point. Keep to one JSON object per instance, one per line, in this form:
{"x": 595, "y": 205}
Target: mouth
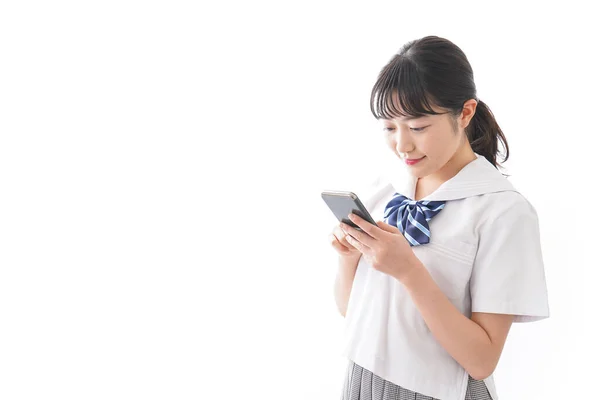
{"x": 413, "y": 161}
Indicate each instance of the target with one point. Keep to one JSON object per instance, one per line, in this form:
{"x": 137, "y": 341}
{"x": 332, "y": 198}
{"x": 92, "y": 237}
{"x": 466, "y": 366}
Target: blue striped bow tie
{"x": 412, "y": 217}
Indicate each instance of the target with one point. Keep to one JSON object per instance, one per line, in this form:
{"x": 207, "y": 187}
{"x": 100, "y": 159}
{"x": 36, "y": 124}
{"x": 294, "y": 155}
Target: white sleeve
{"x": 508, "y": 272}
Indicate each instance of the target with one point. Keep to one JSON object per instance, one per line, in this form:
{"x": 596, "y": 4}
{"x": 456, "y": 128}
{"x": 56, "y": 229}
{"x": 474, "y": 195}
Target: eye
{"x": 418, "y": 129}
{"x": 388, "y": 129}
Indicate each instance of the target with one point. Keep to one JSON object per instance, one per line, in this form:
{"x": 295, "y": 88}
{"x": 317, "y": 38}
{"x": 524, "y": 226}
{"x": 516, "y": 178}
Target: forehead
{"x": 405, "y": 119}
{"x": 399, "y": 114}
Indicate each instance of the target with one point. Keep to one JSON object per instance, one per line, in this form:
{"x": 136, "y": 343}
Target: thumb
{"x": 387, "y": 227}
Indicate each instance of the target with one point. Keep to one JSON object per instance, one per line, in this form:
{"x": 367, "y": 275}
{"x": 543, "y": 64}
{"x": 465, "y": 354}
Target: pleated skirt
{"x": 362, "y": 384}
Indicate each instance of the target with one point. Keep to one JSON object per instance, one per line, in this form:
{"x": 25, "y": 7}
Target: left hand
{"x": 386, "y": 249}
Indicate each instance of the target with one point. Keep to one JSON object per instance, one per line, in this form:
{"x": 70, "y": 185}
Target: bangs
{"x": 399, "y": 92}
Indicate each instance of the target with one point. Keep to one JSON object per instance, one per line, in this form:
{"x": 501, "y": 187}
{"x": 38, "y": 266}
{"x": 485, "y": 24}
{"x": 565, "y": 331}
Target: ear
{"x": 468, "y": 112}
{"x": 387, "y": 227}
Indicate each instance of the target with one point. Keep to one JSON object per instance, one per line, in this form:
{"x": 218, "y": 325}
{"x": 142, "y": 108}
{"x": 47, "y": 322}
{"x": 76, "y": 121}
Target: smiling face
{"x": 438, "y": 141}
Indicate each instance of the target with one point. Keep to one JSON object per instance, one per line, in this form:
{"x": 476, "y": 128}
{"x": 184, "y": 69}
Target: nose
{"x": 403, "y": 142}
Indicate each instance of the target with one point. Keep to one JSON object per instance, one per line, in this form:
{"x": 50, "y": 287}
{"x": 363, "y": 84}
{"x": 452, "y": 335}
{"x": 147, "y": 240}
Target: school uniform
{"x": 483, "y": 252}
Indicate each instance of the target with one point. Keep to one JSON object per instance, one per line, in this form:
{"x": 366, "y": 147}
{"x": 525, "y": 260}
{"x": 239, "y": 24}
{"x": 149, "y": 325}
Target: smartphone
{"x": 343, "y": 203}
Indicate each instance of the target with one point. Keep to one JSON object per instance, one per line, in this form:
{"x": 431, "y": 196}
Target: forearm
{"x": 343, "y": 282}
{"x": 466, "y": 341}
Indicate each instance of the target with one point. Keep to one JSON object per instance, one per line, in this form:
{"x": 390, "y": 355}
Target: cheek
{"x": 389, "y": 140}
{"x": 438, "y": 143}
{"x": 429, "y": 144}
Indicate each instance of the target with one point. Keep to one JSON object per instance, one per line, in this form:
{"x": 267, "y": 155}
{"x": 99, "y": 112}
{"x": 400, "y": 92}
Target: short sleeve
{"x": 508, "y": 273}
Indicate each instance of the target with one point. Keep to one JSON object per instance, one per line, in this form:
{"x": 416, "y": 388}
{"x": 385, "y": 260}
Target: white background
{"x": 162, "y": 234}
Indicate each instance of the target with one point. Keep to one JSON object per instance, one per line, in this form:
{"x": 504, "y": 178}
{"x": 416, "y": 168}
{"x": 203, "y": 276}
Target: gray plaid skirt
{"x": 362, "y": 384}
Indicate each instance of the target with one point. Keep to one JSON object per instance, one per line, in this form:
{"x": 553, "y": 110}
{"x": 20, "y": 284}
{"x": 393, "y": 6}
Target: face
{"x": 434, "y": 140}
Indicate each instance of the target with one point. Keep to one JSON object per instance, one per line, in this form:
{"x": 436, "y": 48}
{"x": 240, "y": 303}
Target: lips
{"x": 412, "y": 161}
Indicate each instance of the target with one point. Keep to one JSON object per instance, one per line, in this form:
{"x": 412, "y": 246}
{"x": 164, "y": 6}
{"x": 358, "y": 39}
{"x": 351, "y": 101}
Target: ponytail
{"x": 484, "y": 133}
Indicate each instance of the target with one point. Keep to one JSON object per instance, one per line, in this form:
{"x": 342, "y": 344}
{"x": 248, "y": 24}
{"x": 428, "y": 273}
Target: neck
{"x": 463, "y": 156}
{"x": 427, "y": 185}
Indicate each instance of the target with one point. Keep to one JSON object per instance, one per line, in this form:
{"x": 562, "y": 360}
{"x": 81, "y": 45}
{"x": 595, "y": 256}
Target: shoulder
{"x": 505, "y": 208}
{"x": 506, "y": 200}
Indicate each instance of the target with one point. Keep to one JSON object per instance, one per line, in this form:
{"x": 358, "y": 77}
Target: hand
{"x": 337, "y": 239}
{"x": 383, "y": 246}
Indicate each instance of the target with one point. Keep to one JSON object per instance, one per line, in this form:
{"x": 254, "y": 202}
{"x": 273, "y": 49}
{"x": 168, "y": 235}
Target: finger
{"x": 361, "y": 237}
{"x": 339, "y": 248}
{"x": 340, "y": 244}
{"x": 372, "y": 230}
{"x": 356, "y": 244}
{"x": 339, "y": 233}
{"x": 344, "y": 241}
{"x": 387, "y": 227}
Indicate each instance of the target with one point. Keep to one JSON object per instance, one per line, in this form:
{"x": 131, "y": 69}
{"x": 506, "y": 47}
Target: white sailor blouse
{"x": 484, "y": 253}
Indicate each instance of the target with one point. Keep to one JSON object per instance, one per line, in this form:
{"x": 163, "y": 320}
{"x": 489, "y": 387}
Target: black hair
{"x": 434, "y": 71}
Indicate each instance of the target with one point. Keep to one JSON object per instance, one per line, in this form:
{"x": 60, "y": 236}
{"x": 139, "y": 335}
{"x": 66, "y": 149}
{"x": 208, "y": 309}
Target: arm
{"x": 476, "y": 343}
{"x": 343, "y": 282}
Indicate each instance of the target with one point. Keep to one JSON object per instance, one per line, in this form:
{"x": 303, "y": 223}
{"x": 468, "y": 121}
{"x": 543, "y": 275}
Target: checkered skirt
{"x": 362, "y": 384}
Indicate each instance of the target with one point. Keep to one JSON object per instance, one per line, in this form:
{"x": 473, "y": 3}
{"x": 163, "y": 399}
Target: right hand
{"x": 338, "y": 240}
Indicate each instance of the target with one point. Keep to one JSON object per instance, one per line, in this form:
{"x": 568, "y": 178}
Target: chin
{"x": 419, "y": 175}
{"x": 419, "y": 172}
{"x": 415, "y": 172}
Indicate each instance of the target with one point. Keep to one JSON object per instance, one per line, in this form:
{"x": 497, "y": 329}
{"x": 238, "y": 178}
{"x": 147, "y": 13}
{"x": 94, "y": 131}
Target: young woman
{"x": 430, "y": 293}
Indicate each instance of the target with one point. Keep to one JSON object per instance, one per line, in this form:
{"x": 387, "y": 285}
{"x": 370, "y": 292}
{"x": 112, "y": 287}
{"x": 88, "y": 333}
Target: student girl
{"x": 430, "y": 293}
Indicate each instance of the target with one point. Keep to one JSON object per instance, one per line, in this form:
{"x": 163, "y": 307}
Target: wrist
{"x": 349, "y": 261}
{"x": 413, "y": 275}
